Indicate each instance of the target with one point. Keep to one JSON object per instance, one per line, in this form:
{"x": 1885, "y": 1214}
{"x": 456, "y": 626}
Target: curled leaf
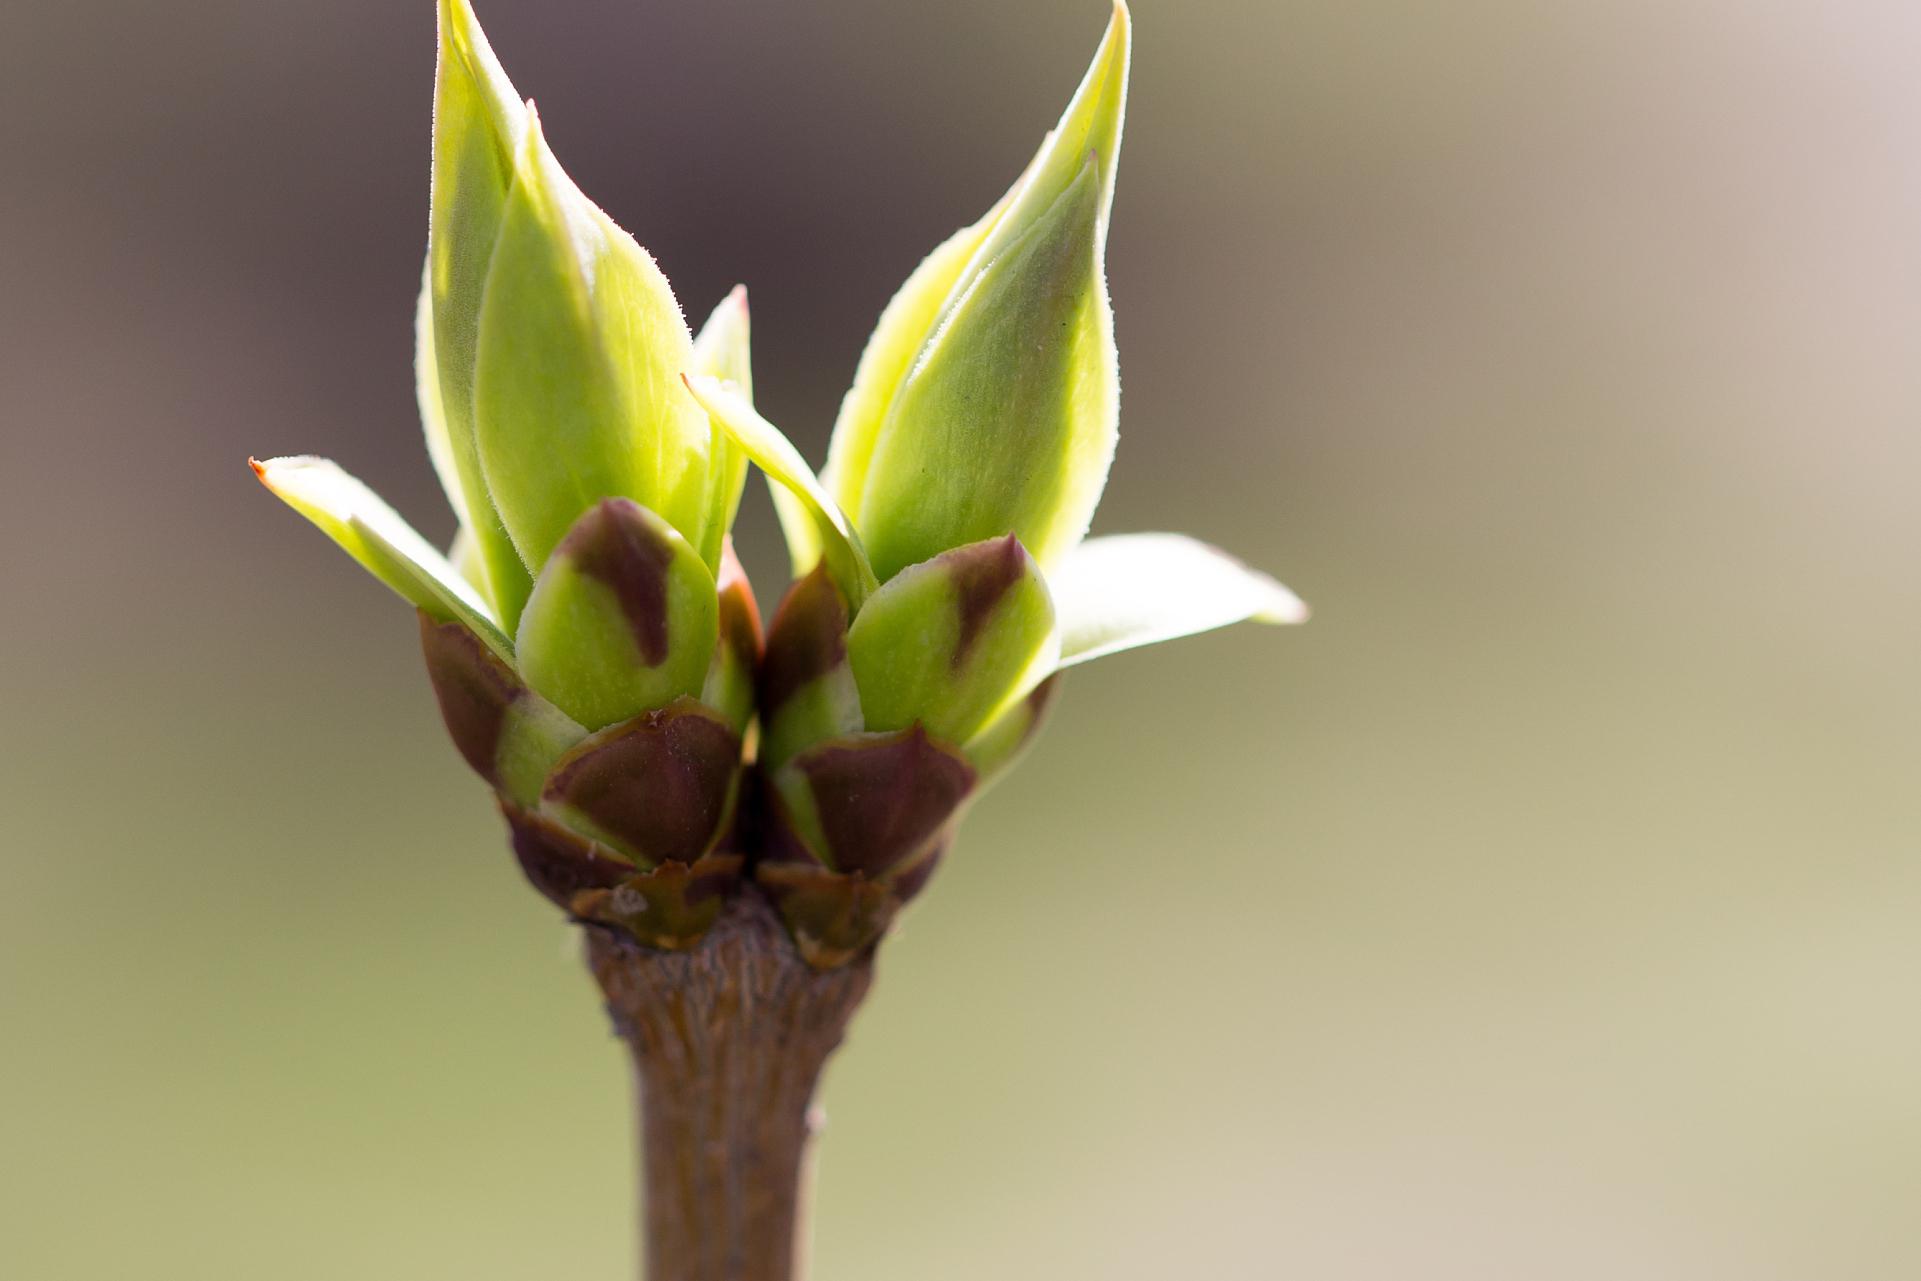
{"x": 904, "y": 326}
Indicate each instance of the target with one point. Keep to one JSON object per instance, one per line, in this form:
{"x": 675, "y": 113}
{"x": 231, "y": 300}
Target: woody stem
{"x": 728, "y": 1041}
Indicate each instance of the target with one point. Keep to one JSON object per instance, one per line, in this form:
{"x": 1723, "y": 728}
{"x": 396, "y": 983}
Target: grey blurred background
{"x": 1546, "y": 908}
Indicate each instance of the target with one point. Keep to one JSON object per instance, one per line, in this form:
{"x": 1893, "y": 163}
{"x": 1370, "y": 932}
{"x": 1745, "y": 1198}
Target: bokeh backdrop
{"x": 1546, "y": 908}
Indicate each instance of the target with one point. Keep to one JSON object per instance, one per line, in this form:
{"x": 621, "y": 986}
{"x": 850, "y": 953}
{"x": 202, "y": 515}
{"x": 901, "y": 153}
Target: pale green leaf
{"x": 904, "y": 328}
{"x": 478, "y": 123}
{"x": 433, "y": 413}
{"x": 1089, "y": 127}
{"x": 577, "y": 386}
{"x": 1126, "y": 590}
{"x": 776, "y": 455}
{"x": 374, "y": 534}
{"x": 797, "y": 528}
{"x": 1007, "y": 422}
{"x": 464, "y": 552}
{"x": 723, "y": 350}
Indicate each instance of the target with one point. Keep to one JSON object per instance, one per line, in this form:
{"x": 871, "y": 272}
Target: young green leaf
{"x": 433, "y": 414}
{"x": 722, "y": 350}
{"x": 1007, "y": 421}
{"x": 1091, "y": 125}
{"x": 374, "y": 534}
{"x": 577, "y": 387}
{"x": 478, "y": 123}
{"x": 1126, "y": 590}
{"x": 905, "y": 325}
{"x": 1091, "y": 122}
{"x": 776, "y": 455}
{"x": 464, "y": 553}
{"x": 921, "y": 388}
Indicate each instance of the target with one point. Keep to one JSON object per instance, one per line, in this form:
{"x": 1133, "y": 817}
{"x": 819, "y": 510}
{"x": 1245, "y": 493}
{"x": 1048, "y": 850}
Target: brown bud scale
{"x": 473, "y": 687}
{"x": 806, "y": 640}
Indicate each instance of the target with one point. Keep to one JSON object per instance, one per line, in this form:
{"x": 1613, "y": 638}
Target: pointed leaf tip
{"x": 375, "y": 535}
{"x": 1127, "y": 590}
{"x": 462, "y": 37}
{"x": 987, "y": 397}
{"x": 1092, "y": 122}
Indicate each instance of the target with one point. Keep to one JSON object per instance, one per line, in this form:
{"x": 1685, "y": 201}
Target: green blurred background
{"x": 1546, "y": 908}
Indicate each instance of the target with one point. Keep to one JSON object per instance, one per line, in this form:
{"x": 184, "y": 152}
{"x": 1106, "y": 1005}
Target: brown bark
{"x": 728, "y": 1041}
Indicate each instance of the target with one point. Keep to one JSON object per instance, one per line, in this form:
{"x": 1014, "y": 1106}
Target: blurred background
{"x": 1547, "y": 907}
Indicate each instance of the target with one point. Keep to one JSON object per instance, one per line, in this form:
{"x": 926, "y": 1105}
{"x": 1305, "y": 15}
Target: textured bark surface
{"x": 728, "y": 1042}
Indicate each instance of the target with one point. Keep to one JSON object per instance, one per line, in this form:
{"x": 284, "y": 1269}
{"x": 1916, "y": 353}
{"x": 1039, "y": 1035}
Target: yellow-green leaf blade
{"x": 375, "y": 535}
{"x": 433, "y": 409}
{"x": 906, "y": 323}
{"x": 478, "y": 122}
{"x": 577, "y": 391}
{"x": 1090, "y": 126}
{"x": 921, "y": 312}
{"x": 723, "y": 350}
{"x": 776, "y": 455}
{"x": 1127, "y": 590}
{"x": 1007, "y": 423}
